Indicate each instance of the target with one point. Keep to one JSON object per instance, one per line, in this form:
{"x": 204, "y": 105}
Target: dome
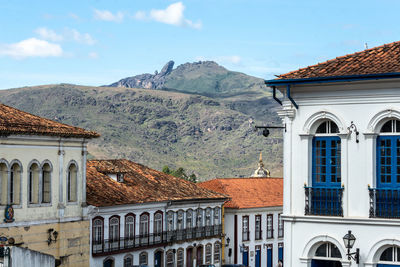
{"x": 261, "y": 171}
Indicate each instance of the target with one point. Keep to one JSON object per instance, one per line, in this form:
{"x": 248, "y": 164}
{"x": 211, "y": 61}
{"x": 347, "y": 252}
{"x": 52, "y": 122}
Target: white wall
{"x": 229, "y": 230}
{"x": 364, "y": 103}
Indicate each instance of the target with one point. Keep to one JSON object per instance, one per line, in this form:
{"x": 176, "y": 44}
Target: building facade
{"x": 144, "y": 217}
{"x": 253, "y": 225}
{"x": 43, "y": 177}
{"x": 341, "y": 158}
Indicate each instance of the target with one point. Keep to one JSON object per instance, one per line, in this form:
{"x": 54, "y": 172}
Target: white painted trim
{"x": 310, "y": 125}
{"x": 380, "y": 118}
{"x": 39, "y": 222}
{"x": 377, "y": 249}
{"x": 342, "y": 220}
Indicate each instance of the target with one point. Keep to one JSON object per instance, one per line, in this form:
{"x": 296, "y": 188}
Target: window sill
{"x": 72, "y": 203}
{"x": 19, "y": 206}
{"x": 39, "y": 205}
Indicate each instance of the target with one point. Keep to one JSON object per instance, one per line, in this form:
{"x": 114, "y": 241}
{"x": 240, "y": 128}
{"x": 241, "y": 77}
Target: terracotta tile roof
{"x": 14, "y": 121}
{"x": 377, "y": 60}
{"x": 141, "y": 184}
{"x": 248, "y": 192}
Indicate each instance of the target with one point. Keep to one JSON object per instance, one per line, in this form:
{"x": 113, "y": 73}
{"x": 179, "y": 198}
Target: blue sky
{"x": 99, "y": 42}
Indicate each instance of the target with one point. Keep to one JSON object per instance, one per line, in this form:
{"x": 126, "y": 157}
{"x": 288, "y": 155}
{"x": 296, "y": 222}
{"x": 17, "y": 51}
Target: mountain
{"x": 208, "y": 136}
{"x": 204, "y": 77}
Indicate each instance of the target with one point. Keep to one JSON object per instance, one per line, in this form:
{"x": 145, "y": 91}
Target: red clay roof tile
{"x": 248, "y": 192}
{"x": 377, "y": 60}
{"x": 141, "y": 184}
{"x": 14, "y": 121}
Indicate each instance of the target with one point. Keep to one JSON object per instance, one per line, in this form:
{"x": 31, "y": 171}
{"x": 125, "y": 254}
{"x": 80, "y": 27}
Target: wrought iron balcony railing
{"x": 384, "y": 203}
{"x": 323, "y": 201}
{"x": 109, "y": 246}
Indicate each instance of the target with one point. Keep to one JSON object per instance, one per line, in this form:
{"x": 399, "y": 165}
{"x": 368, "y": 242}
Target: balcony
{"x": 106, "y": 247}
{"x": 384, "y": 203}
{"x": 323, "y": 201}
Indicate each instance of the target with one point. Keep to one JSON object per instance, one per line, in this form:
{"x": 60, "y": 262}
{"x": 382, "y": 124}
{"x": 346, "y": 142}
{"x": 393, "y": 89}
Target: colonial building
{"x": 342, "y": 160}
{"x": 141, "y": 216}
{"x": 252, "y": 219}
{"x": 42, "y": 186}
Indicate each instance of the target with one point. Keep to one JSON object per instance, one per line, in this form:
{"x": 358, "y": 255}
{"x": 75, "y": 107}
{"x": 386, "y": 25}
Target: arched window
{"x": 216, "y": 216}
{"x": 170, "y": 220}
{"x": 15, "y": 183}
{"x": 143, "y": 258}
{"x": 144, "y": 228}
{"x": 72, "y": 180}
{"x": 4, "y": 183}
{"x": 46, "y": 183}
{"x": 179, "y": 220}
{"x": 189, "y": 218}
{"x": 208, "y": 253}
{"x": 180, "y": 257}
{"x": 388, "y": 161}
{"x": 199, "y": 218}
{"x": 33, "y": 183}
{"x": 170, "y": 258}
{"x": 97, "y": 234}
{"x": 130, "y": 227}
{"x": 208, "y": 216}
{"x": 328, "y": 250}
{"x": 217, "y": 252}
{"x": 391, "y": 254}
{"x": 109, "y": 262}
{"x": 113, "y": 229}
{"x": 158, "y": 226}
{"x": 128, "y": 260}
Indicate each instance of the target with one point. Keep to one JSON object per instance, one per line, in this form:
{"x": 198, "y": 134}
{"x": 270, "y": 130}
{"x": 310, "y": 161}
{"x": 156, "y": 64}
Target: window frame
{"x": 126, "y": 236}
{"x": 41, "y": 201}
{"x": 281, "y": 226}
{"x": 128, "y": 256}
{"x": 69, "y": 202}
{"x": 111, "y": 237}
{"x": 13, "y": 163}
{"x": 258, "y": 233}
{"x": 147, "y": 234}
{"x": 245, "y": 234}
{"x": 29, "y": 183}
{"x": 101, "y": 219}
{"x": 270, "y": 226}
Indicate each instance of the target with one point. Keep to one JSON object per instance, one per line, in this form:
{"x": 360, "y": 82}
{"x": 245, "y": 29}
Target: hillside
{"x": 210, "y": 137}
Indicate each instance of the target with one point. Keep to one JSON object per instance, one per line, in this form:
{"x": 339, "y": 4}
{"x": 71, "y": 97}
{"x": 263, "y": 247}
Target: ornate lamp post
{"x": 349, "y": 239}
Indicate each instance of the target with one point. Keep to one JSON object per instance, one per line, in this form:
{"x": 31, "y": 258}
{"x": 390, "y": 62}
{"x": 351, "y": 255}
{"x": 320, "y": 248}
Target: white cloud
{"x": 75, "y": 35}
{"x": 31, "y": 47}
{"x": 172, "y": 15}
{"x": 48, "y": 34}
{"x": 66, "y": 35}
{"x": 108, "y": 16}
{"x": 74, "y": 16}
{"x": 93, "y": 55}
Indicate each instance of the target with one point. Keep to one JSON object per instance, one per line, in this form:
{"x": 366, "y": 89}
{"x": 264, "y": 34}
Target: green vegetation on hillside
{"x": 209, "y": 136}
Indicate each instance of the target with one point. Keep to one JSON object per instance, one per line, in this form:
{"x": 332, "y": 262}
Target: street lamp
{"x": 228, "y": 240}
{"x": 349, "y": 239}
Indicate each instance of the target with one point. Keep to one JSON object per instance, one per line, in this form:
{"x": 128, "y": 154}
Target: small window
{"x": 128, "y": 261}
{"x": 391, "y": 126}
{"x": 258, "y": 227}
{"x": 199, "y": 221}
{"x": 46, "y": 183}
{"x": 391, "y": 254}
{"x": 34, "y": 184}
{"x": 216, "y": 216}
{"x": 170, "y": 259}
{"x": 217, "y": 252}
{"x": 327, "y": 127}
{"x": 180, "y": 258}
{"x": 189, "y": 220}
{"x": 170, "y": 220}
{"x": 208, "y": 253}
{"x": 328, "y": 250}
{"x": 144, "y": 225}
{"x": 270, "y": 228}
{"x": 158, "y": 223}
{"x": 245, "y": 228}
{"x": 179, "y": 221}
{"x": 129, "y": 227}
{"x": 280, "y": 225}
{"x": 120, "y": 177}
{"x": 72, "y": 180}
{"x": 143, "y": 258}
{"x": 15, "y": 184}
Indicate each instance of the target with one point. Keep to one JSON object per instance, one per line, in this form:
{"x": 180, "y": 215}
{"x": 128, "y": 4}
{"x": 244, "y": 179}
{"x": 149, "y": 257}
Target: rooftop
{"x": 248, "y": 192}
{"x": 141, "y": 185}
{"x": 377, "y": 60}
{"x": 14, "y": 121}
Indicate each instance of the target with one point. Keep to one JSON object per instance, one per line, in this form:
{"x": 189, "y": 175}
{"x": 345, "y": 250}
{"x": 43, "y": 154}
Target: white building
{"x": 252, "y": 219}
{"x": 144, "y": 217}
{"x": 342, "y": 159}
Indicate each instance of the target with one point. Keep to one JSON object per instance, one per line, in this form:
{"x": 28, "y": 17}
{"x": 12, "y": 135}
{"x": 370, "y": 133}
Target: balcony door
{"x": 388, "y": 162}
{"x": 326, "y": 162}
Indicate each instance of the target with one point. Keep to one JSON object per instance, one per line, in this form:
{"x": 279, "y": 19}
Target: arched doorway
{"x": 326, "y": 255}
{"x": 158, "y": 258}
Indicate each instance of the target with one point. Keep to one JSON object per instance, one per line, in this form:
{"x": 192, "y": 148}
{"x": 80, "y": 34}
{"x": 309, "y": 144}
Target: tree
{"x": 180, "y": 173}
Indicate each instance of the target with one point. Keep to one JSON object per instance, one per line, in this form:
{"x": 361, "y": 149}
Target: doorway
{"x": 325, "y": 263}
{"x": 158, "y": 259}
{"x": 189, "y": 257}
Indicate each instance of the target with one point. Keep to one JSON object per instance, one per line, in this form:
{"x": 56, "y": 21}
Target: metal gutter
{"x": 274, "y": 95}
{"x": 290, "y": 98}
{"x": 348, "y": 78}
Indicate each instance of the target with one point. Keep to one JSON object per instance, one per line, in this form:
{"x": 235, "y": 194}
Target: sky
{"x": 97, "y": 42}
